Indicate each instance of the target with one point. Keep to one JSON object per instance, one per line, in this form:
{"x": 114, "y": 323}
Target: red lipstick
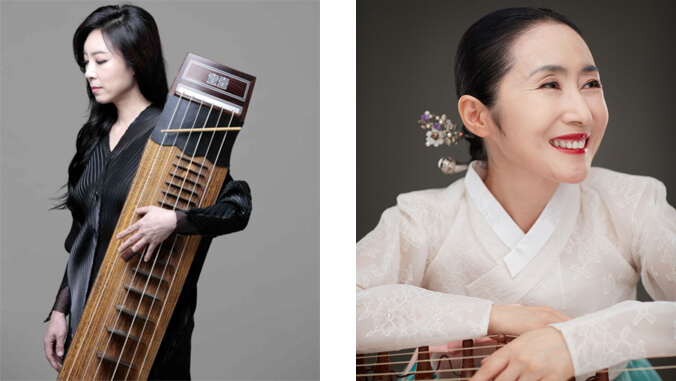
{"x": 573, "y": 137}
{"x": 562, "y": 143}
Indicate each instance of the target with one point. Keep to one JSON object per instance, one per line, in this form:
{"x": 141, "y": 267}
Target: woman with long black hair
{"x": 119, "y": 51}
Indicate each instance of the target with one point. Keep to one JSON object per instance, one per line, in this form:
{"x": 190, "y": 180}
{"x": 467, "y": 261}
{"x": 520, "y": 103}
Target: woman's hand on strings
{"x": 154, "y": 226}
{"x": 517, "y": 320}
{"x": 55, "y": 338}
{"x": 539, "y": 354}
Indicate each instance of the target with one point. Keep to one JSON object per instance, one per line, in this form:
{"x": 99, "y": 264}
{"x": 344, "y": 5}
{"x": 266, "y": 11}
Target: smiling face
{"x": 550, "y": 107}
{"x": 109, "y": 77}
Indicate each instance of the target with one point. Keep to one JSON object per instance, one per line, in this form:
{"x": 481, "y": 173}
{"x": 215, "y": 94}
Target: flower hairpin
{"x": 440, "y": 130}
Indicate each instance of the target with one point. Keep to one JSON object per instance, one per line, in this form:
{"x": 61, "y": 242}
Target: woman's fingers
{"x": 135, "y": 245}
{"x": 520, "y": 367}
{"x": 49, "y": 352}
{"x": 60, "y": 339}
{"x": 130, "y": 241}
{"x": 129, "y": 251}
{"x": 55, "y": 338}
{"x": 127, "y": 255}
{"x": 533, "y": 356}
{"x": 512, "y": 372}
{"x": 143, "y": 210}
{"x": 491, "y": 367}
{"x": 155, "y": 225}
{"x": 150, "y": 251}
{"x": 500, "y": 367}
{"x": 128, "y": 231}
{"x": 139, "y": 245}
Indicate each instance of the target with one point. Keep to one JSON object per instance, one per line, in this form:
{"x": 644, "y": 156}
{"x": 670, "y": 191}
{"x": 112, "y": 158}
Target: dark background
{"x": 405, "y": 56}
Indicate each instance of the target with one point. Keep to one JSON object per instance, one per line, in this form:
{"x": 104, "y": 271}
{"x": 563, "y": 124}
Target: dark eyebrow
{"x": 561, "y": 69}
{"x": 589, "y": 69}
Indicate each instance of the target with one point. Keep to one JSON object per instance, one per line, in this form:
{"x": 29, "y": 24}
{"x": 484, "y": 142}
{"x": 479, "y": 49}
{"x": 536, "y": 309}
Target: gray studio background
{"x": 258, "y": 308}
{"x": 405, "y": 56}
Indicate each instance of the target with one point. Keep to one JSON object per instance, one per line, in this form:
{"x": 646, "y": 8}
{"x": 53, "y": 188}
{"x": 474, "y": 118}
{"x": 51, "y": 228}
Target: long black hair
{"x": 132, "y": 32}
{"x": 483, "y": 57}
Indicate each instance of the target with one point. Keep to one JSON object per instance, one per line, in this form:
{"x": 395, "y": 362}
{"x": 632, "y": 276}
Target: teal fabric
{"x": 412, "y": 377}
{"x": 639, "y": 375}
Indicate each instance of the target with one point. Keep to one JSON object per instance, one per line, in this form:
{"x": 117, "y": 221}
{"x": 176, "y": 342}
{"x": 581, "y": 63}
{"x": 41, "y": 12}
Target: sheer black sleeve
{"x": 62, "y": 302}
{"x": 230, "y": 212}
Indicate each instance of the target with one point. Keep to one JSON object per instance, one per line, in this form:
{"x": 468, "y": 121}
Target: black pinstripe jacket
{"x": 99, "y": 196}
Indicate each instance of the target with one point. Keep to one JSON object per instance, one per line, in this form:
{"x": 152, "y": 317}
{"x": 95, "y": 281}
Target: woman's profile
{"x": 119, "y": 51}
{"x": 533, "y": 241}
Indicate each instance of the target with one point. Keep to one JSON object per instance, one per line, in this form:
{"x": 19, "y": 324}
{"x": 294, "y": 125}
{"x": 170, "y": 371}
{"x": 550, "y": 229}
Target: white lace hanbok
{"x": 430, "y": 271}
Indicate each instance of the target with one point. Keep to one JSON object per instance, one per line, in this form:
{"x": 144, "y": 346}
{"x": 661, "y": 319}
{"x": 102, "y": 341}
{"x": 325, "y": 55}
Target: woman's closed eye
{"x": 98, "y": 62}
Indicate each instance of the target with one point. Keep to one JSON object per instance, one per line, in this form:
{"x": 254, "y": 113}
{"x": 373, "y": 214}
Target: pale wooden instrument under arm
{"x": 184, "y": 165}
{"x": 380, "y": 367}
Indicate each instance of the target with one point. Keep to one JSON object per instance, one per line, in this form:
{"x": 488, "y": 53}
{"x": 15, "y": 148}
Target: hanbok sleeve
{"x": 631, "y": 329}
{"x": 394, "y": 311}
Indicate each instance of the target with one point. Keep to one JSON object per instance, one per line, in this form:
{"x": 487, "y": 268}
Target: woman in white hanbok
{"x": 533, "y": 241}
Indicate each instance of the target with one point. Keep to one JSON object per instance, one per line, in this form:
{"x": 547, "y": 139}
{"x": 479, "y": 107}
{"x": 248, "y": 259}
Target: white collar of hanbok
{"x": 523, "y": 247}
